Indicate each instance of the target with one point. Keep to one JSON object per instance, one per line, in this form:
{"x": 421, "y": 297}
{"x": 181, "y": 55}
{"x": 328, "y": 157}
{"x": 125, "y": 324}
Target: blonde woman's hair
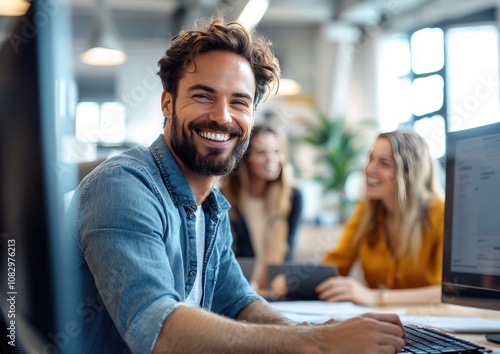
{"x": 236, "y": 185}
{"x": 417, "y": 186}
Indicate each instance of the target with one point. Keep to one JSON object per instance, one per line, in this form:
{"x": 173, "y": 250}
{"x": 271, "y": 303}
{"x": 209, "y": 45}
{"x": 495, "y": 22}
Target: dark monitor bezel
{"x": 467, "y": 289}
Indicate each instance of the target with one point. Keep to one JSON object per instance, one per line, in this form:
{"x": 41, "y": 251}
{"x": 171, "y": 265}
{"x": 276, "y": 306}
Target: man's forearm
{"x": 263, "y": 313}
{"x": 193, "y": 330}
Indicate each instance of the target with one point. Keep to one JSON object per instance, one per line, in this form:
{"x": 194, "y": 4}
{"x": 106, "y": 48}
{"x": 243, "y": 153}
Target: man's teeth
{"x": 373, "y": 181}
{"x": 215, "y": 136}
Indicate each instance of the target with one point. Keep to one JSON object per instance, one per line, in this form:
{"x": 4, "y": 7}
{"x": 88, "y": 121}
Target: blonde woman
{"x": 395, "y": 233}
{"x": 265, "y": 204}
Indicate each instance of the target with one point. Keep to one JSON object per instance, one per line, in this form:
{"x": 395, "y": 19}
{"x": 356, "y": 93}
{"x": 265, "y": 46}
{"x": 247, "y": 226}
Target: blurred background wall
{"x": 431, "y": 64}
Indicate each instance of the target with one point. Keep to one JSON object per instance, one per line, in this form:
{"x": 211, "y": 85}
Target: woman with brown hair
{"x": 266, "y": 206}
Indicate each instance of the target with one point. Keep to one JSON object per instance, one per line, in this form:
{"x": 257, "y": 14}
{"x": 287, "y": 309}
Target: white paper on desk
{"x": 455, "y": 324}
{"x": 320, "y": 311}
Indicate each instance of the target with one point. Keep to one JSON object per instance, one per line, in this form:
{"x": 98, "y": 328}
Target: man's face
{"x": 208, "y": 125}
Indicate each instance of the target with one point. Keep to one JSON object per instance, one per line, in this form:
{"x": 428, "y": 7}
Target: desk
{"x": 438, "y": 310}
{"x": 456, "y": 311}
{"x": 459, "y": 311}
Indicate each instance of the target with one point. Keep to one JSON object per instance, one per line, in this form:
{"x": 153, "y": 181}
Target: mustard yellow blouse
{"x": 380, "y": 267}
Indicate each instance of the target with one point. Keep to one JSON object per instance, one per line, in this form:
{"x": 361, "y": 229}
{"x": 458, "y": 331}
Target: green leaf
{"x": 340, "y": 150}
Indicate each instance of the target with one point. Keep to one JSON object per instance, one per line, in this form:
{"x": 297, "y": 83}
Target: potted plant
{"x": 340, "y": 152}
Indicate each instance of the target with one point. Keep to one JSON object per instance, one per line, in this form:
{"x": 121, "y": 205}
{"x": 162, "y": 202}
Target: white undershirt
{"x": 194, "y": 297}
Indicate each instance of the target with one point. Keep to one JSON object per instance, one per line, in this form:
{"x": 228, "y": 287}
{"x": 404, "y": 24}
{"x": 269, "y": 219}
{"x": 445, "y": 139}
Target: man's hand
{"x": 368, "y": 333}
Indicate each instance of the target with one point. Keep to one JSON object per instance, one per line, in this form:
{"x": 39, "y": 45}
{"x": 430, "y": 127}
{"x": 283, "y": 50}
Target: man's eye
{"x": 243, "y": 103}
{"x": 201, "y": 96}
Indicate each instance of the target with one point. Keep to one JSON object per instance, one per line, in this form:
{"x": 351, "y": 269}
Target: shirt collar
{"x": 177, "y": 186}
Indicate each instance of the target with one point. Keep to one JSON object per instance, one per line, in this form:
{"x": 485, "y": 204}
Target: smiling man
{"x": 208, "y": 125}
{"x": 153, "y": 234}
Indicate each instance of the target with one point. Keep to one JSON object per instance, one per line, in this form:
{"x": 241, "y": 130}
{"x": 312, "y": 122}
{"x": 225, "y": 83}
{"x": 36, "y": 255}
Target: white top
{"x": 194, "y": 297}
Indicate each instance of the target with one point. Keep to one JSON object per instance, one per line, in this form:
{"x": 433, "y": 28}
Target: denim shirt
{"x": 135, "y": 229}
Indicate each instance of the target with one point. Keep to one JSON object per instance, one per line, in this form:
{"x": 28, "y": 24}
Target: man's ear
{"x": 166, "y": 104}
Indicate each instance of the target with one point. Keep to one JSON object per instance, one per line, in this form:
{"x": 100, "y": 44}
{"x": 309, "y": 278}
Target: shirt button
{"x": 192, "y": 272}
{"x": 191, "y": 216}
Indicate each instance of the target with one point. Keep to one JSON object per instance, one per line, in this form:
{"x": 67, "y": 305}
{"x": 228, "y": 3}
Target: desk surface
{"x": 458, "y": 311}
{"x": 434, "y": 310}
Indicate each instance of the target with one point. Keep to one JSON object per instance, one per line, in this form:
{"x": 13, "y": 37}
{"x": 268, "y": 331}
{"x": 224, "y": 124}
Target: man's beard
{"x": 212, "y": 164}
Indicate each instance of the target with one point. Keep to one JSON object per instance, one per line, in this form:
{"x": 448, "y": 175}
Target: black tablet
{"x": 302, "y": 278}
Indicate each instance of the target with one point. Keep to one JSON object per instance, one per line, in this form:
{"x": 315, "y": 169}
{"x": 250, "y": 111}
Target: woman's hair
{"x": 236, "y": 185}
{"x": 214, "y": 35}
{"x": 417, "y": 186}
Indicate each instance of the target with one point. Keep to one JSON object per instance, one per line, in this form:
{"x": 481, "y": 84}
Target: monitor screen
{"x": 471, "y": 262}
{"x": 36, "y": 303}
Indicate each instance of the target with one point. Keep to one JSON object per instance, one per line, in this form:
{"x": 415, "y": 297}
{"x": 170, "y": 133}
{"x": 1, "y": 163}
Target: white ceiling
{"x": 150, "y": 19}
{"x": 139, "y": 22}
{"x": 279, "y": 12}
{"x": 142, "y": 20}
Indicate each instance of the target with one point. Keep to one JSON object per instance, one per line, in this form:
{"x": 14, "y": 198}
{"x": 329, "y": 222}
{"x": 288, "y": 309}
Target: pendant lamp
{"x": 13, "y": 7}
{"x": 104, "y": 47}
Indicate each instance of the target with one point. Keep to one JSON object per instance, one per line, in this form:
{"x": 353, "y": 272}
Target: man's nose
{"x": 220, "y": 113}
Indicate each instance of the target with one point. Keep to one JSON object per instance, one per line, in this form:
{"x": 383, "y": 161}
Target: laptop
{"x": 302, "y": 278}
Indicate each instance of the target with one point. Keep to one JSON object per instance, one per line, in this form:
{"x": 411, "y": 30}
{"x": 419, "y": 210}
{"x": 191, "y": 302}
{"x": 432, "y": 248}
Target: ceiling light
{"x": 253, "y": 13}
{"x": 288, "y": 87}
{"x": 104, "y": 48}
{"x": 13, "y": 7}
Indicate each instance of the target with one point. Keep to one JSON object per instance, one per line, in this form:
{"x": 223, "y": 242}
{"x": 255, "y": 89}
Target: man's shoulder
{"x": 138, "y": 158}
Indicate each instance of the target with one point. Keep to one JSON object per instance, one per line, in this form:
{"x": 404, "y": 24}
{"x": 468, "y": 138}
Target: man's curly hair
{"x": 214, "y": 35}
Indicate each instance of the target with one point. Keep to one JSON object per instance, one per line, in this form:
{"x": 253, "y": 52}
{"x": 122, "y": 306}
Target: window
{"x": 427, "y": 94}
{"x": 472, "y": 72}
{"x": 87, "y": 122}
{"x": 427, "y": 50}
{"x": 103, "y": 123}
{"x": 394, "y": 86}
{"x": 440, "y": 79}
{"x": 433, "y": 131}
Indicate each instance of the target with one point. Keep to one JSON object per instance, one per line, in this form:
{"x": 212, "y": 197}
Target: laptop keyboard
{"x": 425, "y": 340}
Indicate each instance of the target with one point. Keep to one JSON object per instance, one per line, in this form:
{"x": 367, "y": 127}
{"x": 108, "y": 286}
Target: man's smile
{"x": 217, "y": 136}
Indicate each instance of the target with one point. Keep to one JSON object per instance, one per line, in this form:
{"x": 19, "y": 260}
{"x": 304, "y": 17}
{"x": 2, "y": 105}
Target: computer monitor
{"x": 37, "y": 305}
{"x": 471, "y": 258}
